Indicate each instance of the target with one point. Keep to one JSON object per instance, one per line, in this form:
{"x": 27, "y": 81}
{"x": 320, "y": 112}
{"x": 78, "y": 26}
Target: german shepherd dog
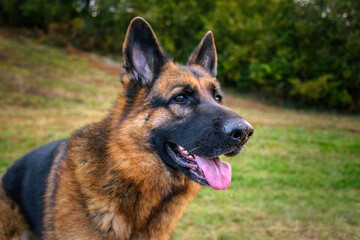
{"x": 131, "y": 175}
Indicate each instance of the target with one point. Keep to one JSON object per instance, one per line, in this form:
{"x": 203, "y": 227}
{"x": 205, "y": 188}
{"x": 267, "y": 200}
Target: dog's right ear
{"x": 143, "y": 57}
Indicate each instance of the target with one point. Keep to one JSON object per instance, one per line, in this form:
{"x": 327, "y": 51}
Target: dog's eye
{"x": 180, "y": 98}
{"x": 218, "y": 99}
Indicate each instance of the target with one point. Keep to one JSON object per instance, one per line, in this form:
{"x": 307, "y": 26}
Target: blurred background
{"x": 291, "y": 67}
{"x": 303, "y": 51}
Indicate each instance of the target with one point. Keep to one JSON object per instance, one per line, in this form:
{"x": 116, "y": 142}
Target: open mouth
{"x": 206, "y": 171}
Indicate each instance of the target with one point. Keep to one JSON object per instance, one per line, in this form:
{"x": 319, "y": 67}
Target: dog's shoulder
{"x": 25, "y": 182}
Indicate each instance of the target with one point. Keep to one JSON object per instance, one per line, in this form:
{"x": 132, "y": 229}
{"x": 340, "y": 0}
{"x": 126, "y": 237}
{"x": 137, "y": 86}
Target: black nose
{"x": 239, "y": 130}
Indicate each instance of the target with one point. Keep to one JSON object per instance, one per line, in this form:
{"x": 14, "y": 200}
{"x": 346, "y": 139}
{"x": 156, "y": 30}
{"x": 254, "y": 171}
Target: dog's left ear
{"x": 205, "y": 54}
{"x": 143, "y": 57}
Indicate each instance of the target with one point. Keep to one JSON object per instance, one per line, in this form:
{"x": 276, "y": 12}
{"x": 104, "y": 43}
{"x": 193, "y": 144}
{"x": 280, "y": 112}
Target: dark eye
{"x": 180, "y": 98}
{"x": 218, "y": 99}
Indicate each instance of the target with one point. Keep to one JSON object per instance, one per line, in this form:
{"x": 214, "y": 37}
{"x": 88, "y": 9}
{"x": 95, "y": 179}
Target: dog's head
{"x": 176, "y": 111}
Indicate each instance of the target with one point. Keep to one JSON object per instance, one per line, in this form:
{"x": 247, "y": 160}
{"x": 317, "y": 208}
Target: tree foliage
{"x": 304, "y": 51}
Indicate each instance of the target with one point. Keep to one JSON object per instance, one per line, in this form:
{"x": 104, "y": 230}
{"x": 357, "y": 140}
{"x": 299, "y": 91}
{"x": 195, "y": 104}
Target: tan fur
{"x": 82, "y": 208}
{"x": 12, "y": 224}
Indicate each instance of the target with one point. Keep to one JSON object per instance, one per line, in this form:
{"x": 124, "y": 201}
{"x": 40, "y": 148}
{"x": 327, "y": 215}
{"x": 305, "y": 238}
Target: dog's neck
{"x": 130, "y": 179}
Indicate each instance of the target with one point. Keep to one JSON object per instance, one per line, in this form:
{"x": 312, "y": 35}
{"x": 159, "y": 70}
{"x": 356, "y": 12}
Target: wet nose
{"x": 239, "y": 130}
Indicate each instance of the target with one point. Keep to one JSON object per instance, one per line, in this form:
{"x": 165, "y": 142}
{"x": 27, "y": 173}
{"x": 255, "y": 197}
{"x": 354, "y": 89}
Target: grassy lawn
{"x": 298, "y": 178}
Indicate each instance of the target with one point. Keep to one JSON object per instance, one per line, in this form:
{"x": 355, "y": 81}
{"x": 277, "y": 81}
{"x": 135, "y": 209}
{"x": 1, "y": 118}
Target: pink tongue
{"x": 217, "y": 173}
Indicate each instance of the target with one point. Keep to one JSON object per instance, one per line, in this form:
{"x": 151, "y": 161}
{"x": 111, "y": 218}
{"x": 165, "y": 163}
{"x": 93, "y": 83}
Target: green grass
{"x": 45, "y": 94}
{"x": 298, "y": 178}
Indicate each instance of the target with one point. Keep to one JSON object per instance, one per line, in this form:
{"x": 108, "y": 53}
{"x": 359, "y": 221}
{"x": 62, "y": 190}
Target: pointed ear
{"x": 142, "y": 54}
{"x": 205, "y": 54}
